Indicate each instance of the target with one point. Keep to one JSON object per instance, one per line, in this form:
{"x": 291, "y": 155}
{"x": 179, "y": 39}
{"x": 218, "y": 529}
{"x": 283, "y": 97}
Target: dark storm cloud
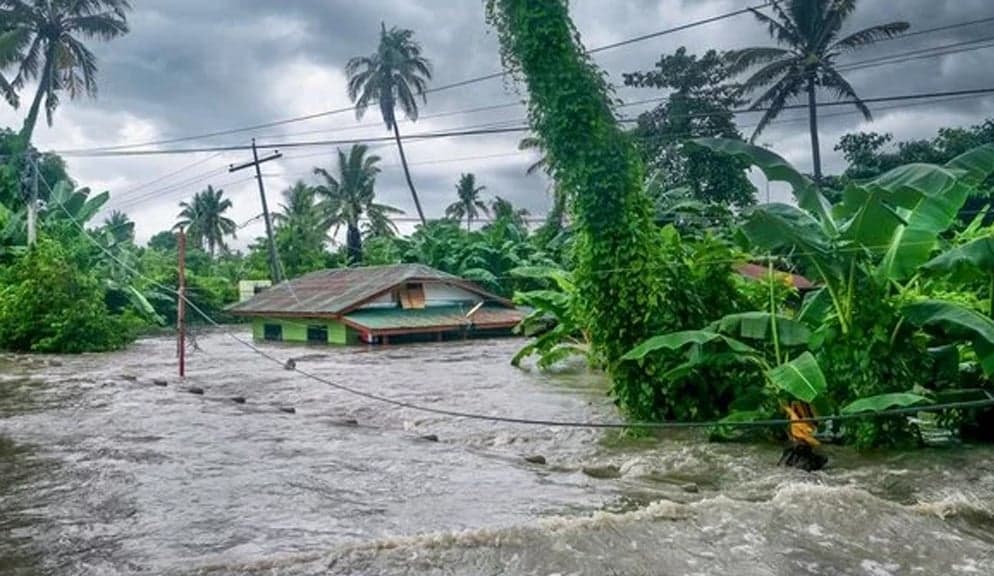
{"x": 191, "y": 67}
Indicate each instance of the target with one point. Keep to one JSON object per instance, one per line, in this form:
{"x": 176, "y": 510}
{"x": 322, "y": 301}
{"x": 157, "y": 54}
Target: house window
{"x": 272, "y": 332}
{"x": 412, "y": 296}
{"x": 317, "y": 333}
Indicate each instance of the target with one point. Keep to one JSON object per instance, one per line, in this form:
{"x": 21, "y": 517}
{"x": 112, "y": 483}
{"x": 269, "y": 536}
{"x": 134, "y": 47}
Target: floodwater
{"x": 104, "y": 472}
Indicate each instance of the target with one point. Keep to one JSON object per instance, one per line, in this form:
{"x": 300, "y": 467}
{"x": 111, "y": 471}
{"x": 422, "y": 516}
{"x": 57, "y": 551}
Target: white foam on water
{"x": 954, "y": 503}
{"x": 874, "y": 568}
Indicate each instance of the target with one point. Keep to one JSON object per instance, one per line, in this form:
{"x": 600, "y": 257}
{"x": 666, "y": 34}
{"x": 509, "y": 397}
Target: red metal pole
{"x": 181, "y": 303}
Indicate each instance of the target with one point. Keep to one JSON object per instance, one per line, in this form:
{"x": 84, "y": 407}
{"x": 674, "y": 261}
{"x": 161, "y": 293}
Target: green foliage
{"x": 204, "y": 221}
{"x": 469, "y": 205}
{"x": 699, "y": 103}
{"x": 884, "y": 402}
{"x": 554, "y": 321}
{"x": 868, "y": 333}
{"x": 596, "y": 165}
{"x": 49, "y": 303}
{"x": 300, "y": 230}
{"x": 164, "y": 241}
{"x": 349, "y": 196}
{"x": 870, "y": 154}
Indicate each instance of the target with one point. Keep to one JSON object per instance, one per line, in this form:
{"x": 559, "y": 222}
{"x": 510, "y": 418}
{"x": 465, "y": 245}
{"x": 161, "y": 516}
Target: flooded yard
{"x": 104, "y": 472}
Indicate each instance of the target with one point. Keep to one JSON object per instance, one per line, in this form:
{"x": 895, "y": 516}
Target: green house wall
{"x": 295, "y": 330}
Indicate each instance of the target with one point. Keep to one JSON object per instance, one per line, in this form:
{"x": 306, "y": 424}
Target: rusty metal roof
{"x": 336, "y": 291}
{"x": 757, "y": 272}
{"x": 432, "y": 318}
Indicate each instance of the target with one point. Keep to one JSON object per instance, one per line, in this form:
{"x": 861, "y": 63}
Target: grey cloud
{"x": 190, "y": 67}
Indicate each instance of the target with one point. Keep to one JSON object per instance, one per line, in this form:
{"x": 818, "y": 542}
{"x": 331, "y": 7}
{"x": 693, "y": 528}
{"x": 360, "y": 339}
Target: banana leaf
{"x": 957, "y": 322}
{"x": 759, "y": 326}
{"x": 974, "y": 166}
{"x": 802, "y": 378}
{"x": 815, "y": 307}
{"x": 776, "y": 169}
{"x": 968, "y": 261}
{"x": 562, "y": 278}
{"x": 884, "y": 402}
{"x": 928, "y": 199}
{"x": 678, "y": 340}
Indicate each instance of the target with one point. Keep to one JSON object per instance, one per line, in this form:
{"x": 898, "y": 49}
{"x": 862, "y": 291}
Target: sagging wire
{"x": 764, "y": 423}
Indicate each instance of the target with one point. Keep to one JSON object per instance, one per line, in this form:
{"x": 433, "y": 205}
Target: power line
{"x": 923, "y": 52}
{"x": 491, "y": 131}
{"x": 444, "y": 87}
{"x": 942, "y": 28}
{"x": 516, "y": 420}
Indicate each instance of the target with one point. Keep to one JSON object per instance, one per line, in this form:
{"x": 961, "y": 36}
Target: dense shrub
{"x": 49, "y": 304}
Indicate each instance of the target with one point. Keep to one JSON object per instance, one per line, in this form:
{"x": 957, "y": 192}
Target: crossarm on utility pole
{"x": 274, "y": 269}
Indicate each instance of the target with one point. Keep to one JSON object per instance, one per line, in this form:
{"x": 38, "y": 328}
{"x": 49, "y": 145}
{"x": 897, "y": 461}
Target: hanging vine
{"x": 621, "y": 269}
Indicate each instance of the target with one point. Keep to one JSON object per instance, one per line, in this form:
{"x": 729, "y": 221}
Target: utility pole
{"x": 274, "y": 269}
{"x": 181, "y": 302}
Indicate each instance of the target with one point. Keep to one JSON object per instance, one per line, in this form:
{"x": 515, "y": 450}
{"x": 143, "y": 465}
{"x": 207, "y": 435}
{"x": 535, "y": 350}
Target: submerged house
{"x": 377, "y": 305}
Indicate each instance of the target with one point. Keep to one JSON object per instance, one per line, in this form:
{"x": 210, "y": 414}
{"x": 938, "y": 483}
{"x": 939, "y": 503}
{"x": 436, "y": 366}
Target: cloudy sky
{"x": 191, "y": 67}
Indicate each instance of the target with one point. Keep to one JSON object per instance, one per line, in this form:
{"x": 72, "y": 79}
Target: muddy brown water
{"x": 103, "y": 472}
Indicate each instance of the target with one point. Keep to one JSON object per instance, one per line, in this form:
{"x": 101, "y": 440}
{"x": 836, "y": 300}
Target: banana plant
{"x": 552, "y": 322}
{"x": 791, "y": 373}
{"x": 883, "y": 231}
{"x": 78, "y": 205}
{"x": 973, "y": 260}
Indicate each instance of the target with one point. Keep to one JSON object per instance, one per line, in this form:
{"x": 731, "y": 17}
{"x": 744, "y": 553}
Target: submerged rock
{"x": 159, "y": 381}
{"x": 430, "y": 437}
{"x": 602, "y": 472}
{"x": 195, "y": 390}
{"x": 238, "y": 399}
{"x": 535, "y": 459}
{"x": 288, "y": 409}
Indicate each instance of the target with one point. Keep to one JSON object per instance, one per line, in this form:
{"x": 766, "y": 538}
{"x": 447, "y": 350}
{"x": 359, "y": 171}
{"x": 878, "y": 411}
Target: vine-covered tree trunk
{"x": 594, "y": 162}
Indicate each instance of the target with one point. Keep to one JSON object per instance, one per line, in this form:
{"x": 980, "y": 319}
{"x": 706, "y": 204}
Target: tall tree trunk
{"x": 407, "y": 173}
{"x": 27, "y": 130}
{"x": 353, "y": 244}
{"x": 813, "y": 126}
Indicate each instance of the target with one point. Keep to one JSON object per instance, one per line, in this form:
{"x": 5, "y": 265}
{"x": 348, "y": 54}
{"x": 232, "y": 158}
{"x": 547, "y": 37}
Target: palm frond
{"x": 775, "y": 72}
{"x": 781, "y": 28}
{"x": 834, "y": 81}
{"x": 741, "y": 60}
{"x": 777, "y": 97}
{"x": 868, "y": 36}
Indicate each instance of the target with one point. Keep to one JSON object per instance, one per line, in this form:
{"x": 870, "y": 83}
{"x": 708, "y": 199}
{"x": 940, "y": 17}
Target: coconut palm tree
{"x": 301, "y": 232}
{"x": 469, "y": 204}
{"x": 44, "y": 39}
{"x": 808, "y": 32}
{"x": 557, "y": 215}
{"x": 504, "y": 210}
{"x": 299, "y": 205}
{"x": 395, "y": 75}
{"x": 120, "y": 227}
{"x": 348, "y": 198}
{"x": 204, "y": 220}
{"x": 529, "y": 143}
